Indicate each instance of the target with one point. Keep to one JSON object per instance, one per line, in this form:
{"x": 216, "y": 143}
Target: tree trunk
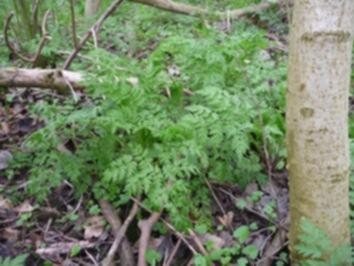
{"x": 26, "y": 26}
{"x": 317, "y": 117}
{"x": 92, "y": 7}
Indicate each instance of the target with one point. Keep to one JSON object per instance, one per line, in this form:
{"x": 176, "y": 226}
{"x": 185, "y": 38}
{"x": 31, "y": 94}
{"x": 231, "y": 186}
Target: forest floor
{"x": 248, "y": 224}
{"x": 27, "y": 227}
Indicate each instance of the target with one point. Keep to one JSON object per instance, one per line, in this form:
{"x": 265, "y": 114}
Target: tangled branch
{"x": 45, "y": 37}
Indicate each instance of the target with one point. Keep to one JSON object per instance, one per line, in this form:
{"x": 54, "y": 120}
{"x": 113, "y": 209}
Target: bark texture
{"x": 59, "y": 80}
{"x": 317, "y": 117}
{"x": 191, "y": 10}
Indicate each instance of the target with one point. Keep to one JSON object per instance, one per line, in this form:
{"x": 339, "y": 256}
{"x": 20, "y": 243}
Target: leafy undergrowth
{"x": 183, "y": 114}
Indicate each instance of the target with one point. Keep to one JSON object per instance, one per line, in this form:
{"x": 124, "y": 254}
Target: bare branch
{"x": 173, "y": 253}
{"x": 96, "y": 27}
{"x": 125, "y": 251}
{"x": 44, "y": 39}
{"x": 119, "y": 236}
{"x": 7, "y": 41}
{"x": 191, "y": 10}
{"x": 169, "y": 226}
{"x": 145, "y": 228}
{"x": 198, "y": 242}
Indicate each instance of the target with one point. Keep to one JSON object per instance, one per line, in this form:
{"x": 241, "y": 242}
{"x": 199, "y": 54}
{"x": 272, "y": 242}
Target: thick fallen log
{"x": 192, "y": 10}
{"x": 61, "y": 81}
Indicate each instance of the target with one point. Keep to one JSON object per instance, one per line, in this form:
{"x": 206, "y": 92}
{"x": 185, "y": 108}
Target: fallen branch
{"x": 125, "y": 251}
{"x": 41, "y": 78}
{"x": 145, "y": 228}
{"x": 119, "y": 236}
{"x": 64, "y": 248}
{"x": 191, "y": 10}
{"x": 95, "y": 28}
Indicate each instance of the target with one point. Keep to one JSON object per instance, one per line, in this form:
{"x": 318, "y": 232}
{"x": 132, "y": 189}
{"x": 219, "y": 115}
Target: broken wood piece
{"x": 41, "y": 78}
{"x": 64, "y": 248}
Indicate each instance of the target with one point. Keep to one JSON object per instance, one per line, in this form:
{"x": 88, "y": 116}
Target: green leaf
{"x": 256, "y": 196}
{"x": 253, "y": 226}
{"x": 200, "y": 260}
{"x": 242, "y": 233}
{"x": 241, "y": 204}
{"x": 242, "y": 262}
{"x": 201, "y": 229}
{"x": 75, "y": 250}
{"x": 251, "y": 251}
{"x": 152, "y": 257}
{"x": 94, "y": 210}
{"x": 16, "y": 261}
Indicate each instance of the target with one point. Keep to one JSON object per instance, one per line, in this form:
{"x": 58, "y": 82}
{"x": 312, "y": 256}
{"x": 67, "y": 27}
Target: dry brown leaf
{"x": 94, "y": 227}
{"x": 24, "y": 207}
{"x": 226, "y": 220}
{"x": 217, "y": 242}
{"x": 5, "y": 203}
{"x": 10, "y": 234}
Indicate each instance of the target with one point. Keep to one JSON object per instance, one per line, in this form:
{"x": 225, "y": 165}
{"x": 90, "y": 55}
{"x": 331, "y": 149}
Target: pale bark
{"x": 92, "y": 7}
{"x": 59, "y": 80}
{"x": 191, "y": 10}
{"x": 317, "y": 117}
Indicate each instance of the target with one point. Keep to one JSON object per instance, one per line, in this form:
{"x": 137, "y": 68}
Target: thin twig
{"x": 145, "y": 228}
{"x": 260, "y": 215}
{"x": 125, "y": 251}
{"x": 7, "y": 41}
{"x": 91, "y": 258}
{"x": 198, "y": 242}
{"x": 169, "y": 226}
{"x": 173, "y": 253}
{"x": 96, "y": 27}
{"x": 94, "y": 37}
{"x": 75, "y": 97}
{"x": 44, "y": 39}
{"x": 41, "y": 45}
{"x": 78, "y": 205}
{"x": 215, "y": 197}
{"x": 120, "y": 235}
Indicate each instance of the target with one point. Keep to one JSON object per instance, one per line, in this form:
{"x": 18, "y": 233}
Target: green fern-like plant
{"x": 134, "y": 139}
{"x": 317, "y": 248}
{"x": 16, "y": 261}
